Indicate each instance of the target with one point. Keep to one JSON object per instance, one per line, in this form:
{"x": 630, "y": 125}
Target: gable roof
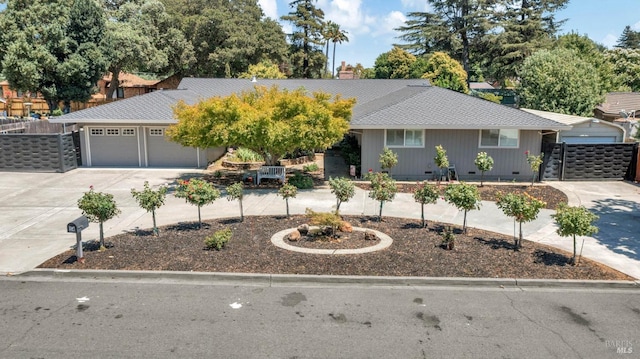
{"x": 380, "y": 104}
{"x": 618, "y": 101}
{"x": 571, "y": 120}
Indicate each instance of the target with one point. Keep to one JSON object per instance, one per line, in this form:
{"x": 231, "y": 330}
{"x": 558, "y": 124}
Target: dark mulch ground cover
{"x": 415, "y": 251}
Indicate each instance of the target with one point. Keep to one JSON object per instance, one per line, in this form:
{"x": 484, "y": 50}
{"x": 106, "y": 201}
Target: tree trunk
{"x": 102, "y": 237}
{"x": 481, "y": 178}
{"x": 519, "y": 237}
{"x": 338, "y": 205}
{"x": 286, "y": 201}
{"x": 465, "y": 39}
{"x": 326, "y": 64}
{"x": 464, "y": 222}
{"x": 241, "y": 212}
{"x": 156, "y": 231}
{"x": 422, "y": 216}
{"x": 573, "y": 260}
{"x": 333, "y": 65}
{"x": 380, "y": 214}
{"x": 115, "y": 82}
{"x": 199, "y": 219}
{"x": 52, "y": 103}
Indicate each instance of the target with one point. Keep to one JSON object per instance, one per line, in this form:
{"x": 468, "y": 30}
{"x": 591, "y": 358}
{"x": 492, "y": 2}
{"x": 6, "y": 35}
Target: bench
{"x": 277, "y": 172}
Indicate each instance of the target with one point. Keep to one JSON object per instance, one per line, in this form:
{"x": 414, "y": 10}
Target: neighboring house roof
{"x": 131, "y": 80}
{"x": 380, "y": 104}
{"x": 570, "y": 120}
{"x": 618, "y": 101}
{"x": 480, "y": 86}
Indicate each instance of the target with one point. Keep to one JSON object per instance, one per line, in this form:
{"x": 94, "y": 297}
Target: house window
{"x": 128, "y": 131}
{"x": 156, "y": 131}
{"x": 113, "y": 132}
{"x": 499, "y": 138}
{"x": 120, "y": 92}
{"x": 97, "y": 132}
{"x": 404, "y": 138}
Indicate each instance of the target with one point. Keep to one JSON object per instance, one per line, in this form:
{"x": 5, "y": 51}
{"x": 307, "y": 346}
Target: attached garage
{"x": 132, "y": 133}
{"x": 584, "y": 130}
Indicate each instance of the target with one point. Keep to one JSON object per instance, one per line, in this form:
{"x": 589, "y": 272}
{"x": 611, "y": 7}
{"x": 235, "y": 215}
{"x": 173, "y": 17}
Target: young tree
{"x": 288, "y": 191}
{"x": 150, "y": 200}
{"x": 442, "y": 161}
{"x": 98, "y": 207}
{"x": 522, "y": 207}
{"x": 343, "y": 188}
{"x": 308, "y": 24}
{"x": 575, "y": 221}
{"x": 548, "y": 76}
{"x": 388, "y": 159}
{"x": 425, "y": 193}
{"x": 443, "y": 71}
{"x": 236, "y": 191}
{"x": 629, "y": 39}
{"x": 534, "y": 162}
{"x": 383, "y": 189}
{"x": 484, "y": 163}
{"x": 465, "y": 197}
{"x": 267, "y": 121}
{"x": 197, "y": 192}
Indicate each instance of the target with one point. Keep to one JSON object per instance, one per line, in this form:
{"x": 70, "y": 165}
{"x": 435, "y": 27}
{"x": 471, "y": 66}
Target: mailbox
{"x": 78, "y": 225}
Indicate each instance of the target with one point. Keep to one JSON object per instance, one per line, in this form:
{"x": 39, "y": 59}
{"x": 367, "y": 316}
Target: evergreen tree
{"x": 308, "y": 22}
{"x": 629, "y": 39}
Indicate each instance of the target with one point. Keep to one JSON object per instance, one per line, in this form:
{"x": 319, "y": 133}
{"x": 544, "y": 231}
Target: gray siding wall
{"x": 462, "y": 147}
{"x": 593, "y": 129}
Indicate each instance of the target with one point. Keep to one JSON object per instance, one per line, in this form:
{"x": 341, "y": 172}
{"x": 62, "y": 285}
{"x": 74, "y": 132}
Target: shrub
{"x": 575, "y": 221}
{"x": 522, "y": 207}
{"x": 98, "y": 207}
{"x": 388, "y": 159}
{"x": 288, "y": 191}
{"x": 324, "y": 219}
{"x": 465, "y": 197}
{"x": 424, "y": 194}
{"x": 218, "y": 239}
{"x": 383, "y": 189}
{"x": 442, "y": 161}
{"x": 150, "y": 200}
{"x": 313, "y": 167}
{"x": 198, "y": 193}
{"x": 245, "y": 155}
{"x": 343, "y": 188}
{"x": 484, "y": 163}
{"x": 534, "y": 162}
{"x": 301, "y": 181}
{"x": 448, "y": 238}
{"x": 236, "y": 191}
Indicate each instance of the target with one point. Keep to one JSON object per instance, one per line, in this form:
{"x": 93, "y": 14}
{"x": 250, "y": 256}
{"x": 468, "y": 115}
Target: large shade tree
{"x": 443, "y": 71}
{"x": 141, "y": 36}
{"x": 559, "y": 81}
{"x": 227, "y": 36}
{"x": 59, "y": 58}
{"x": 269, "y": 121}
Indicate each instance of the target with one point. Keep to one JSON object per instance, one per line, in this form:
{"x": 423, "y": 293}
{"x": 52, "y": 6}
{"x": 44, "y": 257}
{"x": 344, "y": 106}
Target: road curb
{"x": 298, "y": 279}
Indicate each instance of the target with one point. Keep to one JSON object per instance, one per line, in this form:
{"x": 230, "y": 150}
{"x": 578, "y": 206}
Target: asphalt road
{"x": 160, "y": 318}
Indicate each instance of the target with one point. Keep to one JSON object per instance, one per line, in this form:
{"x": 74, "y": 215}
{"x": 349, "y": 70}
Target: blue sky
{"x": 370, "y": 23}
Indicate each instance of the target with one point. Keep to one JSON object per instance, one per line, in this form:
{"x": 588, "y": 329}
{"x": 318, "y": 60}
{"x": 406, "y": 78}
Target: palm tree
{"x": 328, "y": 35}
{"x": 337, "y": 35}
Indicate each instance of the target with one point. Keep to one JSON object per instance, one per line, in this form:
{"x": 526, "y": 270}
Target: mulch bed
{"x": 416, "y": 251}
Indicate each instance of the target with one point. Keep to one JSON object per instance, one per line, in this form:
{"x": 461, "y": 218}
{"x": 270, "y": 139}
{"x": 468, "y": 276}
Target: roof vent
{"x": 254, "y": 79}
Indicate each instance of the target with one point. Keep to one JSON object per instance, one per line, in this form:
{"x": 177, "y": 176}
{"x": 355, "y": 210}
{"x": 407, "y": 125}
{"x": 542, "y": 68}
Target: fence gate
{"x": 612, "y": 161}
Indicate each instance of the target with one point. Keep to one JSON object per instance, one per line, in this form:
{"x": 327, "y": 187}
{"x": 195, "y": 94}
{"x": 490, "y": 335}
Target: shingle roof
{"x": 380, "y": 104}
{"x": 618, "y": 101}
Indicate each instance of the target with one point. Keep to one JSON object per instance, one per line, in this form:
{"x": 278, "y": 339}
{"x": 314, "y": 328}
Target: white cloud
{"x": 416, "y": 5}
{"x": 390, "y": 22}
{"x": 609, "y": 41}
{"x": 269, "y": 7}
{"x": 636, "y": 26}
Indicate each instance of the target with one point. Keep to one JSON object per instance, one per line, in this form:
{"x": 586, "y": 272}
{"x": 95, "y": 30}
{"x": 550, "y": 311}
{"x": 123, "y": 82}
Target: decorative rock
{"x": 346, "y": 227}
{"x": 294, "y": 236}
{"x": 303, "y": 229}
{"x": 370, "y": 235}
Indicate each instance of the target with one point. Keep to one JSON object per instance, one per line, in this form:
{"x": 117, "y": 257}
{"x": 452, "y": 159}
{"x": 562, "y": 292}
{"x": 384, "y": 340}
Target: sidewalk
{"x": 36, "y": 207}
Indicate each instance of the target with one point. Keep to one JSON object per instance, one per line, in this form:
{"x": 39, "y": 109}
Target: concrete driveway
{"x": 36, "y": 207}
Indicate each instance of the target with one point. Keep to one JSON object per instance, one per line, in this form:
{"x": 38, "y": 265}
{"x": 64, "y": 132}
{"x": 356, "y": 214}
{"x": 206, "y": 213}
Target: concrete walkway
{"x": 36, "y": 207}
